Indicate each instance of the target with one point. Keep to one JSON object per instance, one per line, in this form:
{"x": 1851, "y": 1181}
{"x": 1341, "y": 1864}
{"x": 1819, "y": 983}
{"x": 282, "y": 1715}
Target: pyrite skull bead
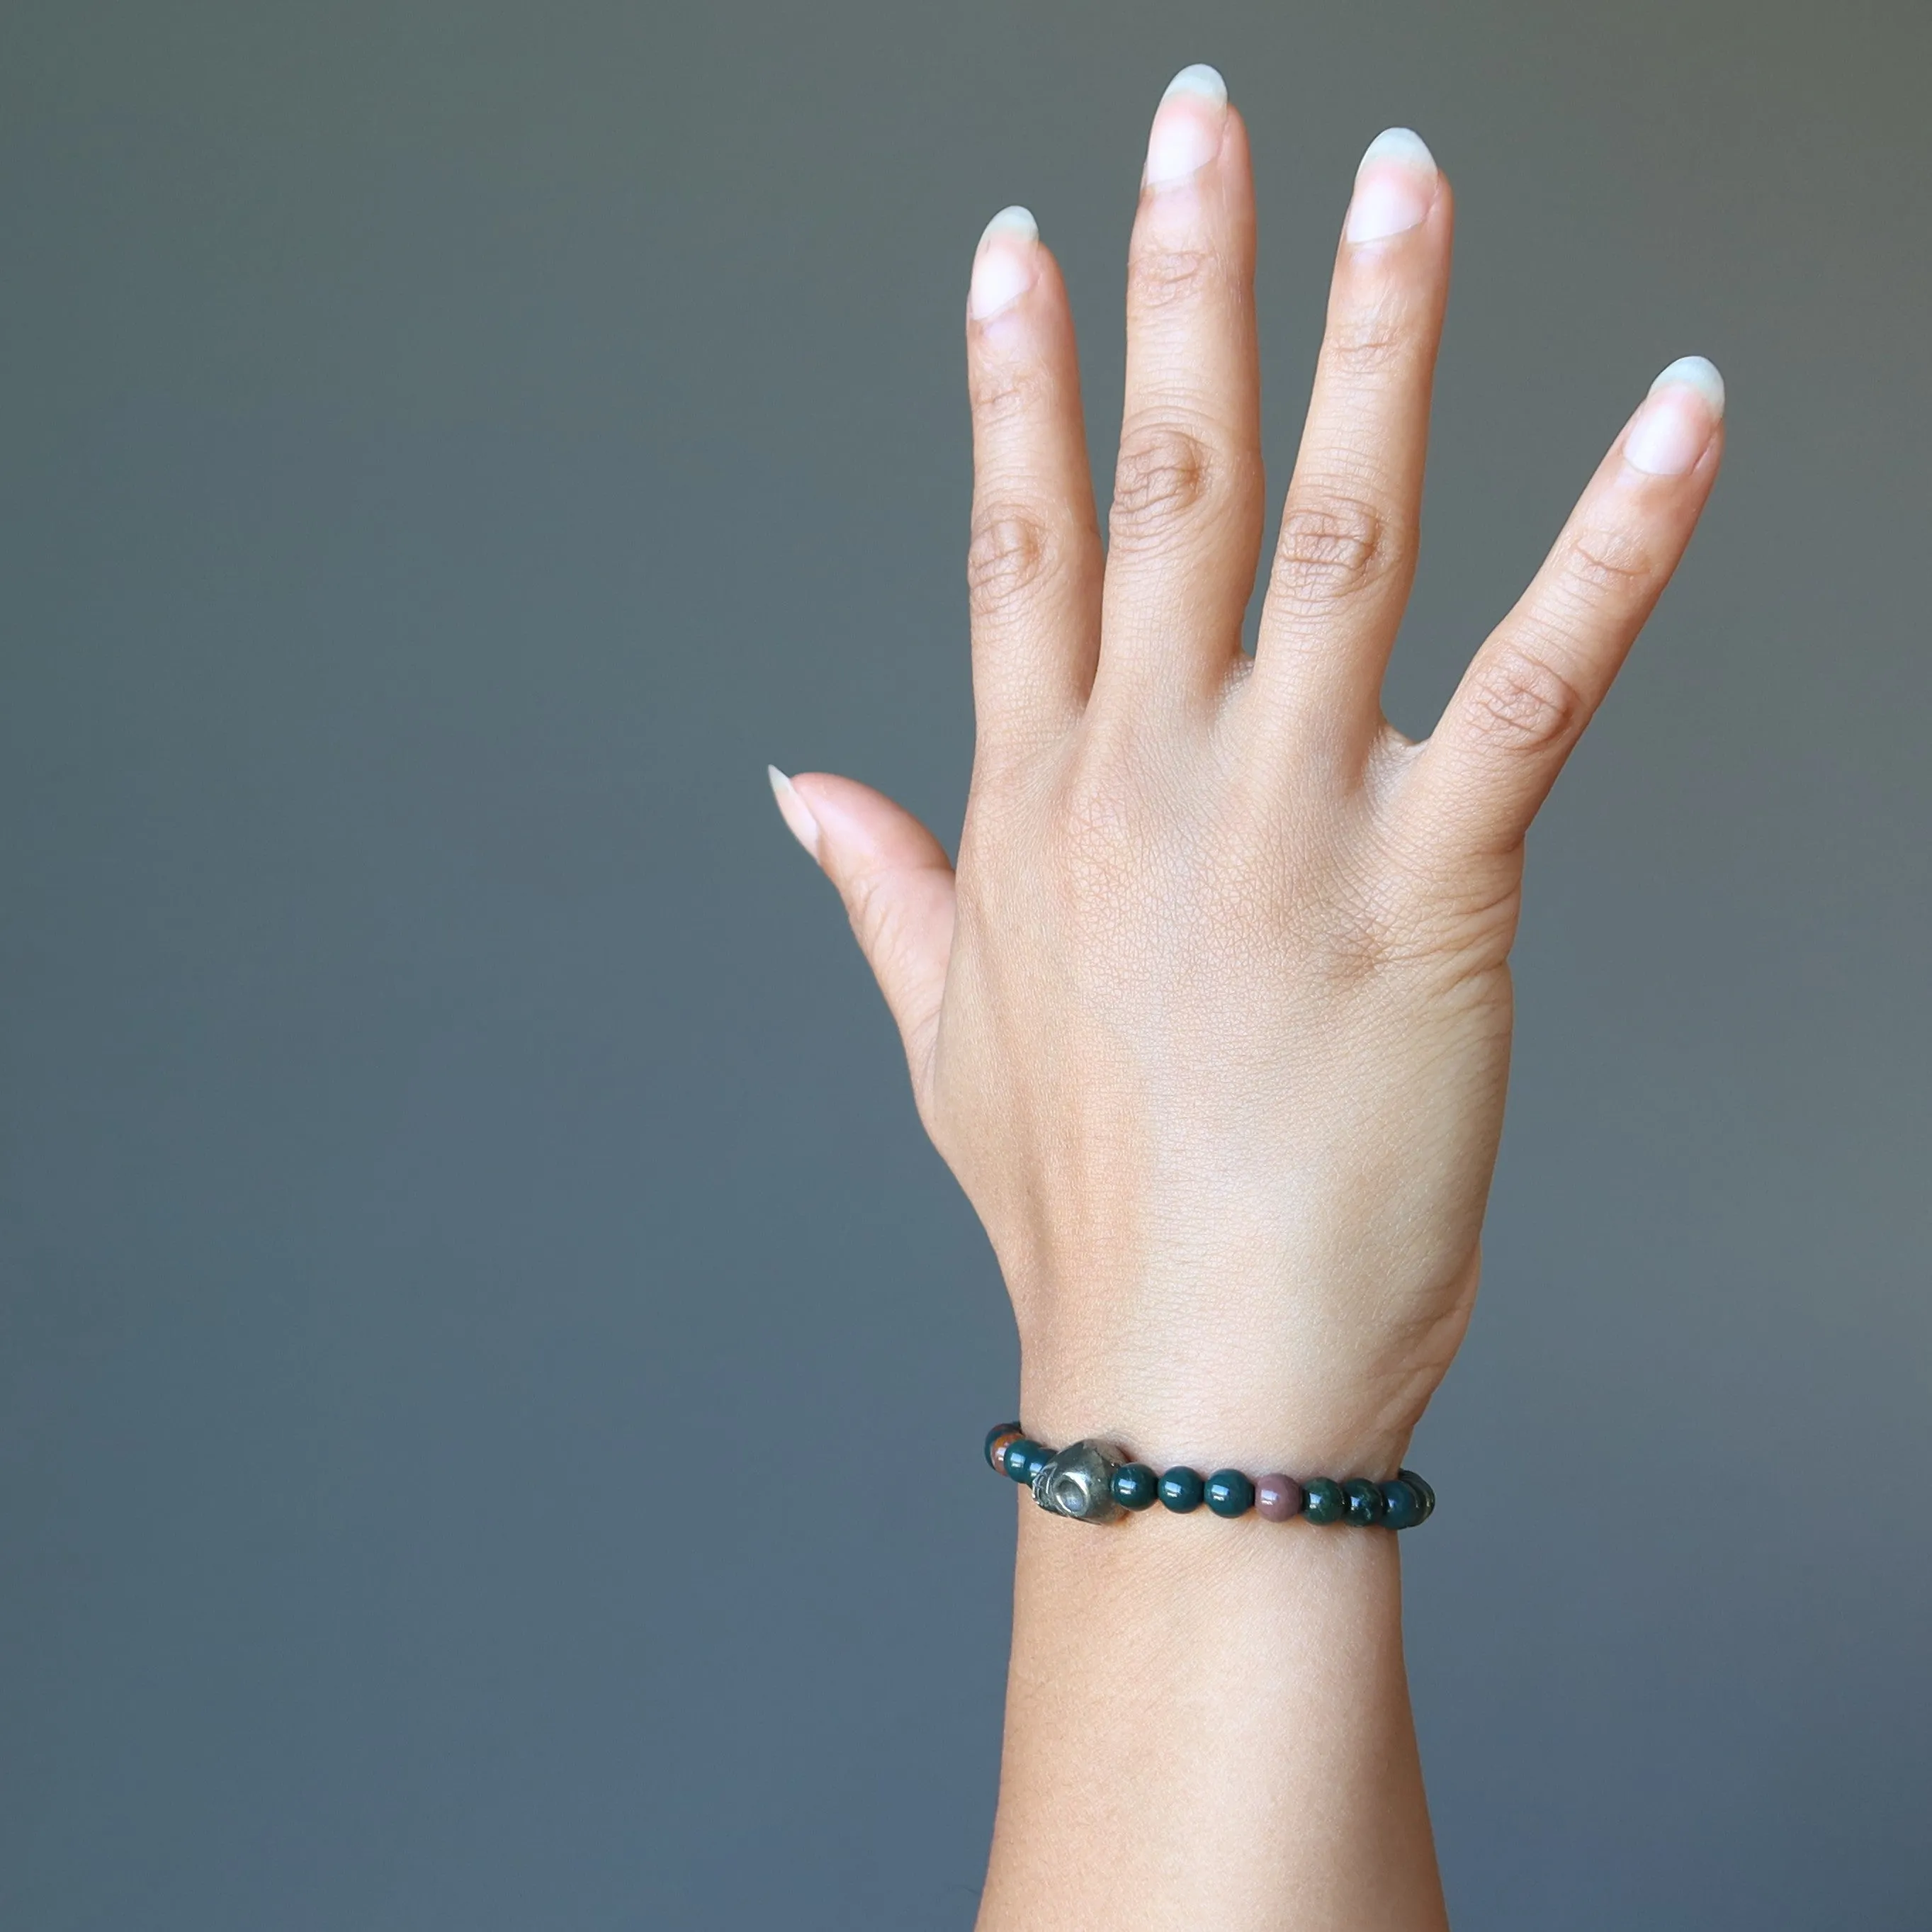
{"x": 1078, "y": 1482}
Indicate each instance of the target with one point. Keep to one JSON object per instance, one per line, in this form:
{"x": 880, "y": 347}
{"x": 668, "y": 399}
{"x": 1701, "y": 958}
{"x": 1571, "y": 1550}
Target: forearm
{"x": 1208, "y": 1725}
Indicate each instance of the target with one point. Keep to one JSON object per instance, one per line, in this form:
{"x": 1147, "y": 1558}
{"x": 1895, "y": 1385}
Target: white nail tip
{"x": 1016, "y": 221}
{"x": 1400, "y": 144}
{"x": 797, "y": 814}
{"x": 1200, "y": 80}
{"x": 1004, "y": 265}
{"x": 1698, "y": 373}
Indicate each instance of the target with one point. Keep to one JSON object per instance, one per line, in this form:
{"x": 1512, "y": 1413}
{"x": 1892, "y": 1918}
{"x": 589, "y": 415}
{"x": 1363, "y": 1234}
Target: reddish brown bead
{"x": 1277, "y": 1498}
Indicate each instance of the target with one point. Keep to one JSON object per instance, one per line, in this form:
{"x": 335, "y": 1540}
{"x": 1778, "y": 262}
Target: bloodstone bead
{"x": 1230, "y": 1493}
{"x": 1181, "y": 1490}
{"x": 1365, "y": 1502}
{"x": 1424, "y": 1495}
{"x": 1402, "y": 1508}
{"x": 997, "y": 1439}
{"x": 1023, "y": 1456}
{"x": 1277, "y": 1498}
{"x": 1135, "y": 1487}
{"x": 1323, "y": 1500}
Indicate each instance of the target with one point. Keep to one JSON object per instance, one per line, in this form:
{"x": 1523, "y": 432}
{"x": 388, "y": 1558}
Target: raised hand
{"x": 1212, "y": 1024}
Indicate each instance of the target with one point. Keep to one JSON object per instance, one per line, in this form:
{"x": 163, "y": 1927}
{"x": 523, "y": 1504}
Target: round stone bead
{"x": 997, "y": 1440}
{"x": 1424, "y": 1495}
{"x": 1229, "y": 1493}
{"x": 1181, "y": 1490}
{"x": 1135, "y": 1487}
{"x": 1023, "y": 1456}
{"x": 1365, "y": 1502}
{"x": 1323, "y": 1501}
{"x": 1402, "y": 1508}
{"x": 1277, "y": 1498}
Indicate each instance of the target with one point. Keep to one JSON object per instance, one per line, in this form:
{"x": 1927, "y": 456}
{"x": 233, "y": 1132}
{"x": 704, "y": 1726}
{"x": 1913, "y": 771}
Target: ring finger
{"x": 1346, "y": 553}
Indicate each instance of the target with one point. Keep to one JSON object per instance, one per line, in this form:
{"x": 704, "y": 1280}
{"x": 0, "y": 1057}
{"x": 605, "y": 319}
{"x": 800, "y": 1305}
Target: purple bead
{"x": 1277, "y": 1498}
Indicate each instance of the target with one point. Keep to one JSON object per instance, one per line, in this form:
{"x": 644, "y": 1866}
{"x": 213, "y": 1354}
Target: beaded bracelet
{"x": 1095, "y": 1482}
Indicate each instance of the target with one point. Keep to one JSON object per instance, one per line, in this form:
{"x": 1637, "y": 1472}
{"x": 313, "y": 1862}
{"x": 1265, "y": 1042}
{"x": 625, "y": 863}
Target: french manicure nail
{"x": 1673, "y": 428}
{"x": 797, "y": 814}
{"x": 1005, "y": 264}
{"x": 1187, "y": 126}
{"x": 1396, "y": 182}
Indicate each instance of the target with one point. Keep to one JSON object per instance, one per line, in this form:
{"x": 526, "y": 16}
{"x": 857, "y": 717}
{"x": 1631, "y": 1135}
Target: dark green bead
{"x": 1023, "y": 1457}
{"x": 1181, "y": 1490}
{"x": 1424, "y": 1495}
{"x": 1326, "y": 1502}
{"x": 1402, "y": 1508}
{"x": 993, "y": 1436}
{"x": 1135, "y": 1487}
{"x": 1230, "y": 1493}
{"x": 1365, "y": 1502}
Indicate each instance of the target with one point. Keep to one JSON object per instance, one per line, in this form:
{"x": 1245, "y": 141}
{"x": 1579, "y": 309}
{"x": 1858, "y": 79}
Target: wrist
{"x": 1188, "y": 1412}
{"x": 1303, "y": 1382}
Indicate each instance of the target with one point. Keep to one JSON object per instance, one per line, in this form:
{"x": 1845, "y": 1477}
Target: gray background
{"x": 471, "y": 1282}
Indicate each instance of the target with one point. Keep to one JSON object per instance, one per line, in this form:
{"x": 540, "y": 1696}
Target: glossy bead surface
{"x": 1402, "y": 1508}
{"x": 1229, "y": 1493}
{"x": 1424, "y": 1495}
{"x": 1024, "y": 1455}
{"x": 1323, "y": 1501}
{"x": 1181, "y": 1490}
{"x": 997, "y": 1440}
{"x": 1365, "y": 1502}
{"x": 1135, "y": 1487}
{"x": 1277, "y": 1498}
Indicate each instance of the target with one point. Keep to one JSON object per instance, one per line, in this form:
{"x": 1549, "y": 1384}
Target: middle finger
{"x": 1185, "y": 530}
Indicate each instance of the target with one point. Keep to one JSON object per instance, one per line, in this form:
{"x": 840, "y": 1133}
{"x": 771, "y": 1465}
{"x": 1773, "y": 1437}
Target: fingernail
{"x": 1007, "y": 261}
{"x": 1187, "y": 126}
{"x": 796, "y": 812}
{"x": 1673, "y": 429}
{"x": 1396, "y": 182}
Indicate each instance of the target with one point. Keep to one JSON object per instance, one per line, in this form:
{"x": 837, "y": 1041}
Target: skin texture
{"x": 1212, "y": 1021}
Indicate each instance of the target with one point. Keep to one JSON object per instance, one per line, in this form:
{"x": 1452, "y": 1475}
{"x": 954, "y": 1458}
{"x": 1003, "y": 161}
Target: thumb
{"x": 897, "y": 883}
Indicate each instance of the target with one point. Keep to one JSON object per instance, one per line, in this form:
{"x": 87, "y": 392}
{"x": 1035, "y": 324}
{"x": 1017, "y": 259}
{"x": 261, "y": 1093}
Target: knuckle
{"x": 1609, "y": 563}
{"x": 1331, "y": 550}
{"x": 882, "y": 921}
{"x": 1009, "y": 551}
{"x": 1157, "y": 277}
{"x": 868, "y": 910}
{"x": 1164, "y": 472}
{"x": 1002, "y": 392}
{"x": 1367, "y": 344}
{"x": 1521, "y": 702}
